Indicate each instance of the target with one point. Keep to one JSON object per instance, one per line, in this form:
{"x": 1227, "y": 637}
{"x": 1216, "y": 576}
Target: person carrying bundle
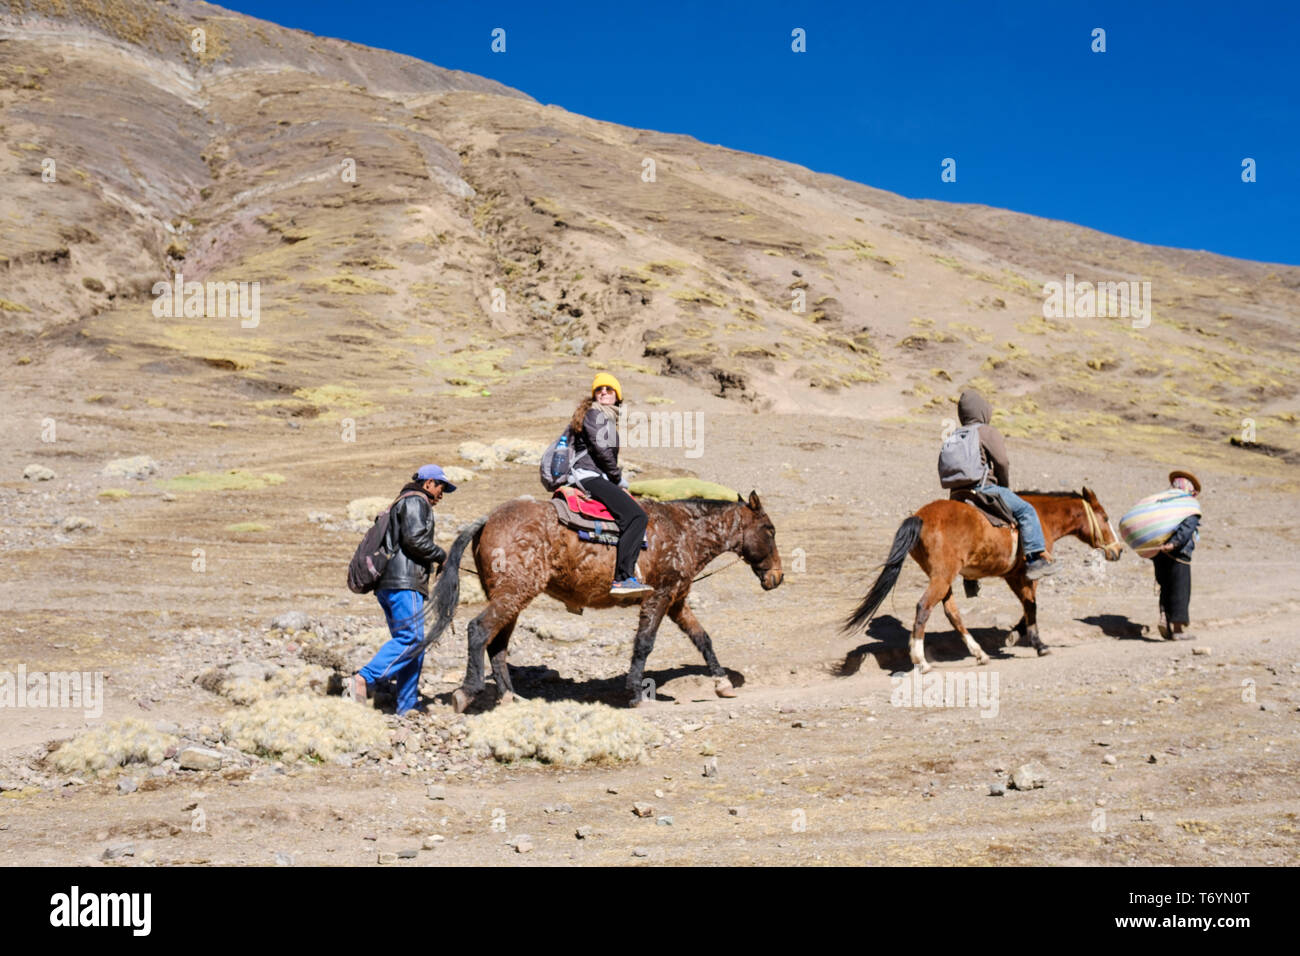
{"x": 1165, "y": 528}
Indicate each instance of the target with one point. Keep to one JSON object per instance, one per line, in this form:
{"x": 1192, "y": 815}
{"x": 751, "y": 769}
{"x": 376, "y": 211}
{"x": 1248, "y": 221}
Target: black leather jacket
{"x": 410, "y": 539}
{"x": 595, "y": 446}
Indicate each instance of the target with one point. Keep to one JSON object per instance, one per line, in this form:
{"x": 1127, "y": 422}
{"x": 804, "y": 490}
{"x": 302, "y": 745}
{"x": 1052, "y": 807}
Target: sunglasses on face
{"x": 604, "y": 388}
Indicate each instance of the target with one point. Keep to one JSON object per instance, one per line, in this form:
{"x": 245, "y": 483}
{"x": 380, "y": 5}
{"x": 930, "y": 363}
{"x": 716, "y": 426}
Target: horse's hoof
{"x": 723, "y": 688}
{"x": 926, "y": 667}
{"x": 1043, "y": 650}
{"x": 506, "y": 698}
{"x": 982, "y": 659}
{"x": 460, "y": 701}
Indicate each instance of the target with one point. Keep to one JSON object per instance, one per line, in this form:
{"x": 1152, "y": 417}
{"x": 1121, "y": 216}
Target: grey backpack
{"x": 556, "y": 461}
{"x": 961, "y": 460}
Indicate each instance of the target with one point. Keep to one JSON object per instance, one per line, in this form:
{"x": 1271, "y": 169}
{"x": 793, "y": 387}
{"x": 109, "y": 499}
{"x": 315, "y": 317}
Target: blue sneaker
{"x": 629, "y": 586}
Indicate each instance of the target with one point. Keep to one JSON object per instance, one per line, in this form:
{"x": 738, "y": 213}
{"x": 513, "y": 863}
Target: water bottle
{"x": 559, "y": 463}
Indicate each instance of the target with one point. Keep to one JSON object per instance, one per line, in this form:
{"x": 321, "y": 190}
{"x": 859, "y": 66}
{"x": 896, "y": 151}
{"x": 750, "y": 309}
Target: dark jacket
{"x": 410, "y": 539}
{"x": 973, "y": 407}
{"x": 595, "y": 442}
{"x": 1184, "y": 539}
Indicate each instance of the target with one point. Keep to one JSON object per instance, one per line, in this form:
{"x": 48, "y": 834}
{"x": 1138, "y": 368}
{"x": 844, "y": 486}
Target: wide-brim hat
{"x": 1196, "y": 483}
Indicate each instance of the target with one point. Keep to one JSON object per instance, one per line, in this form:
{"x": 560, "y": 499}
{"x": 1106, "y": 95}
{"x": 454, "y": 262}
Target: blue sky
{"x": 1145, "y": 140}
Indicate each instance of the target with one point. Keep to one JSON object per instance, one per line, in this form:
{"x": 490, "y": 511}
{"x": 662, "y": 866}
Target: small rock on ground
{"x": 199, "y": 758}
{"x": 1029, "y": 776}
{"x": 291, "y": 621}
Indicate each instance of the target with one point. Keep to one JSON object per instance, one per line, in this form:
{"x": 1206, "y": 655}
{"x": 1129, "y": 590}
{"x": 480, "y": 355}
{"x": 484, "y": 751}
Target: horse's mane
{"x": 700, "y": 506}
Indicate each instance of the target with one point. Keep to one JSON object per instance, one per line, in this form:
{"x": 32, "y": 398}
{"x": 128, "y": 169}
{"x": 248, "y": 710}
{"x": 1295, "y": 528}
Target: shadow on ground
{"x": 1119, "y": 626}
{"x": 544, "y": 683}
{"x": 890, "y": 646}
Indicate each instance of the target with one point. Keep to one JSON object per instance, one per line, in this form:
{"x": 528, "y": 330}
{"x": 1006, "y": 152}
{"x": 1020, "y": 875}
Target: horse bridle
{"x": 1094, "y": 529}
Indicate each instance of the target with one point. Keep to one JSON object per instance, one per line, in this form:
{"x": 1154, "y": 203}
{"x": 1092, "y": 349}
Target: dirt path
{"x": 814, "y": 763}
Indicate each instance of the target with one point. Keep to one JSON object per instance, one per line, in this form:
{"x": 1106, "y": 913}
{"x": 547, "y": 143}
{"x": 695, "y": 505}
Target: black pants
{"x": 629, "y": 517}
{"x": 1175, "y": 580}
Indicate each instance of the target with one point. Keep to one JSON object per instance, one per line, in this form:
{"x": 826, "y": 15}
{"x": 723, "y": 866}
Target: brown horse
{"x": 948, "y": 538}
{"x": 521, "y": 550}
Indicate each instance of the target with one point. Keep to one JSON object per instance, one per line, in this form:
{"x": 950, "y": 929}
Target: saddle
{"x": 992, "y": 507}
{"x": 587, "y": 516}
{"x": 997, "y": 513}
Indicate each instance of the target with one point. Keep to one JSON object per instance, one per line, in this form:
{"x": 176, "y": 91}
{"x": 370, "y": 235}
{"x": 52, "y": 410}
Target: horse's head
{"x": 1097, "y": 531}
{"x": 758, "y": 543}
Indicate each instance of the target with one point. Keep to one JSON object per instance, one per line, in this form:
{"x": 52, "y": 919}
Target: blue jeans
{"x": 404, "y": 611}
{"x": 1031, "y": 530}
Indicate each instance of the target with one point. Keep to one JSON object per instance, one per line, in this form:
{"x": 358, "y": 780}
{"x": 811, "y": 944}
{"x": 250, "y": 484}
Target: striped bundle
{"x": 1150, "y": 522}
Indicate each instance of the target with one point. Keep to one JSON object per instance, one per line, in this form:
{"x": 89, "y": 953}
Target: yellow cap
{"x": 604, "y": 378}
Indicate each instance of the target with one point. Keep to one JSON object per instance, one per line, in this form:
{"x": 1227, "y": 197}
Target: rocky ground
{"x": 1147, "y": 751}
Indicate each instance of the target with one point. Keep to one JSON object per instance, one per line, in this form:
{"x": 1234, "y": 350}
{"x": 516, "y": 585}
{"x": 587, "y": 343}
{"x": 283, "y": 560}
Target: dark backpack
{"x": 371, "y": 557}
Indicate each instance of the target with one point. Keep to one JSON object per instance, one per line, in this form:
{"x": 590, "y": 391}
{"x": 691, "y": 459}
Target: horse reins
{"x": 716, "y": 570}
{"x": 1094, "y": 529}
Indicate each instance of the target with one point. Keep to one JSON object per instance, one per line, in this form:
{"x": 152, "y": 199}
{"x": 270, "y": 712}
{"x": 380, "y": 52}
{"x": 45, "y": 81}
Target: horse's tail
{"x": 446, "y": 592}
{"x": 909, "y": 532}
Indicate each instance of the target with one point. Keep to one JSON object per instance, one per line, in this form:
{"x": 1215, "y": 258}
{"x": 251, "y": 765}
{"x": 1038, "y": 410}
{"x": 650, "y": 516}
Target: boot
{"x": 1040, "y": 567}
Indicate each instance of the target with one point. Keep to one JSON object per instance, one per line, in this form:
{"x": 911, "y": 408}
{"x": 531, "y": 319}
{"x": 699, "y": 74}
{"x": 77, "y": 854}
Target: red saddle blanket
{"x": 580, "y": 504}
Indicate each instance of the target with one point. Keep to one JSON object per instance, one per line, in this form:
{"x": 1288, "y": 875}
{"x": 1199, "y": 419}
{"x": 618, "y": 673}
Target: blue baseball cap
{"x": 434, "y": 473}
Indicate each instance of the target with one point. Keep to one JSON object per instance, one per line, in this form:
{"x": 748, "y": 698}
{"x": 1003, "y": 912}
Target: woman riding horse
{"x": 595, "y": 470}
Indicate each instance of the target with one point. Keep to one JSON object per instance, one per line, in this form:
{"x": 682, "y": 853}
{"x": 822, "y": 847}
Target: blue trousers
{"x": 1031, "y": 529}
{"x": 404, "y": 611}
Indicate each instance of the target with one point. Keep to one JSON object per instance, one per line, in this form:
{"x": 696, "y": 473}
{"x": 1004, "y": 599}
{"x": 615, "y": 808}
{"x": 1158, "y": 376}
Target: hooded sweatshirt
{"x": 973, "y": 408}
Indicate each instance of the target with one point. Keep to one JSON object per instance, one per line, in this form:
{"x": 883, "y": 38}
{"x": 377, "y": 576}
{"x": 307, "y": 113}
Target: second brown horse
{"x": 950, "y": 538}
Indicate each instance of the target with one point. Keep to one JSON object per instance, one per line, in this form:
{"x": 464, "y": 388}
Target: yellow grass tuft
{"x": 233, "y": 480}
{"x": 112, "y": 745}
{"x": 347, "y": 284}
{"x": 567, "y": 734}
{"x": 293, "y": 728}
{"x": 305, "y": 680}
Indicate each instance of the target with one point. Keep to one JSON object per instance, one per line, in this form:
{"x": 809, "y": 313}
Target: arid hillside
{"x": 407, "y": 222}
